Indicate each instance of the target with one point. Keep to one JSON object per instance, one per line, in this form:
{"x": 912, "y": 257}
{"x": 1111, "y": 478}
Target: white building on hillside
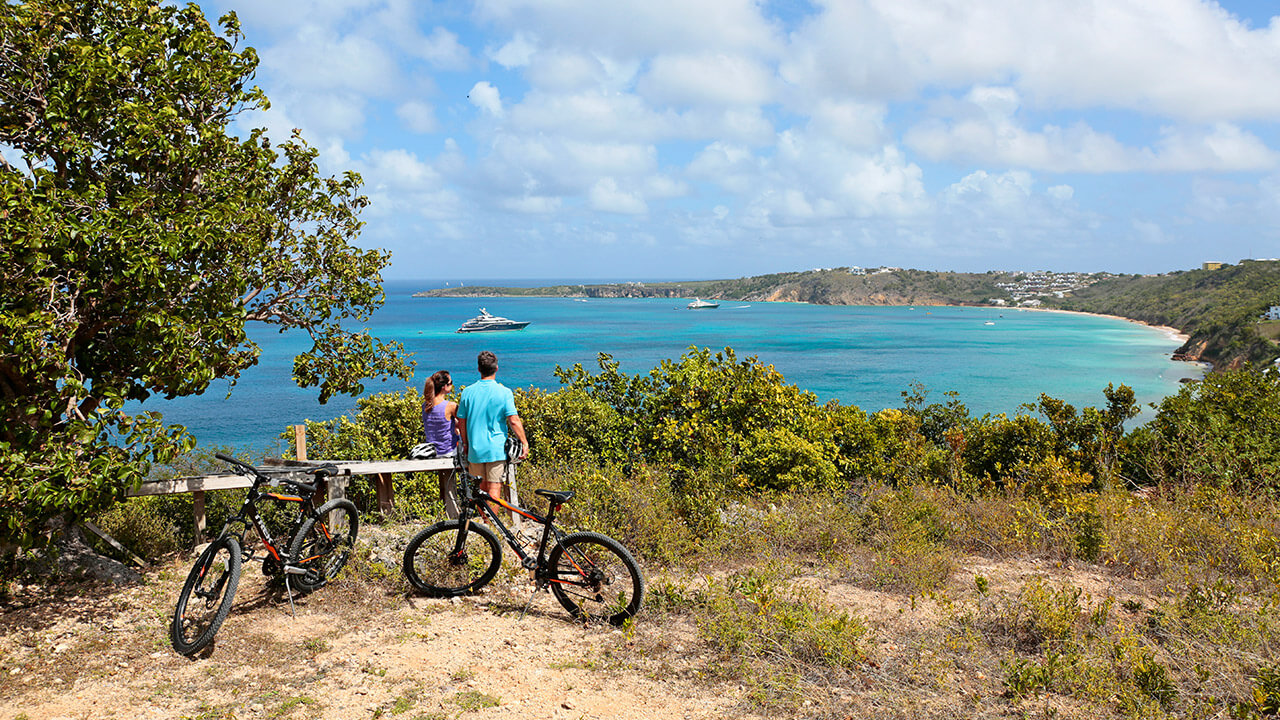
{"x": 1272, "y": 314}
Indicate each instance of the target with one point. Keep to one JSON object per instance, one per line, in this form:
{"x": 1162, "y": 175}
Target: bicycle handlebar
{"x": 321, "y": 472}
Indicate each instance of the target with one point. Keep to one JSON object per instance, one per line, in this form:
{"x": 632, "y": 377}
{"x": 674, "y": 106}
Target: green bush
{"x": 1224, "y": 430}
{"x": 153, "y": 526}
{"x": 701, "y": 411}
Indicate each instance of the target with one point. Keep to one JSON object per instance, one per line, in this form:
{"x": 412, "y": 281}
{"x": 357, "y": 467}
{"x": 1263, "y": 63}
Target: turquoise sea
{"x": 996, "y": 359}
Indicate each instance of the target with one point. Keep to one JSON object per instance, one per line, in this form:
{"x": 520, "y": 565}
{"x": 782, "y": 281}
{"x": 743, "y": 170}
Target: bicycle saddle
{"x": 325, "y": 471}
{"x": 558, "y": 497}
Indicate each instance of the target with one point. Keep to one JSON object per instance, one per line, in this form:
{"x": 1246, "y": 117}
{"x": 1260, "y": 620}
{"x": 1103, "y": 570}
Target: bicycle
{"x": 319, "y": 543}
{"x": 592, "y": 575}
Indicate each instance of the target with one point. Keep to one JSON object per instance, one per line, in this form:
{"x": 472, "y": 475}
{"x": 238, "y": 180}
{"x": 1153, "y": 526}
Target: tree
{"x": 140, "y": 234}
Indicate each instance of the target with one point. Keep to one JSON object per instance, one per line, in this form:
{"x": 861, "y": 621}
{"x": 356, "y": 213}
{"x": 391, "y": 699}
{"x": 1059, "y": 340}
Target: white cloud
{"x": 985, "y": 129}
{"x": 707, "y": 79}
{"x": 418, "y": 116}
{"x": 516, "y": 52}
{"x": 1184, "y": 58}
{"x": 441, "y": 48}
{"x": 1222, "y": 147}
{"x": 857, "y": 125}
{"x": 532, "y": 204}
{"x": 607, "y": 197}
{"x": 733, "y": 167}
{"x": 637, "y": 28}
{"x": 592, "y": 114}
{"x": 318, "y": 58}
{"x": 486, "y": 97}
{"x": 560, "y": 70}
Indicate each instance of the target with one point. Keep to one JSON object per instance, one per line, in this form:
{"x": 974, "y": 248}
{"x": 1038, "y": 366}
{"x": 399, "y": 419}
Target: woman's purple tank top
{"x": 438, "y": 430}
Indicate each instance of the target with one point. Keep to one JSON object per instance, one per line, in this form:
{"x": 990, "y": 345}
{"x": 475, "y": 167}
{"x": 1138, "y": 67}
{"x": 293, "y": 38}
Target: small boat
{"x": 486, "y": 322}
{"x": 988, "y": 323}
{"x": 699, "y": 304}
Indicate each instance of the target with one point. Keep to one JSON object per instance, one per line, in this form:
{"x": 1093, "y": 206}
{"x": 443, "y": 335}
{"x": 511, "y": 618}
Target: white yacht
{"x": 699, "y": 304}
{"x": 486, "y": 322}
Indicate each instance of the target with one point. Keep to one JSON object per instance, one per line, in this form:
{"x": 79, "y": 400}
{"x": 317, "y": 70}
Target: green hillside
{"x": 1219, "y": 309}
{"x": 839, "y": 286}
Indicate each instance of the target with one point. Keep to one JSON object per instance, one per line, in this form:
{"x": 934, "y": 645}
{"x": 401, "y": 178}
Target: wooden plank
{"x": 191, "y": 484}
{"x": 378, "y": 467}
{"x": 114, "y": 543}
{"x": 232, "y": 482}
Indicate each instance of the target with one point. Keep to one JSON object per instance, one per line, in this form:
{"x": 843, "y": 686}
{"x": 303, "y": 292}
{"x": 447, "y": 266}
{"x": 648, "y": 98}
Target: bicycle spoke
{"x": 596, "y": 579}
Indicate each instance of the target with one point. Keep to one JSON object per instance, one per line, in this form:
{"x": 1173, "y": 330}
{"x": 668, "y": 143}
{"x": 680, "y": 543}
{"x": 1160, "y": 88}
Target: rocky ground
{"x": 359, "y": 648}
{"x": 363, "y": 647}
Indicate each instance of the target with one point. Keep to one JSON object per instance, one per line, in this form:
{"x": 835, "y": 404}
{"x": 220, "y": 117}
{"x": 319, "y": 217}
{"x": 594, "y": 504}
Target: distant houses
{"x": 1027, "y": 288}
{"x": 1272, "y": 314}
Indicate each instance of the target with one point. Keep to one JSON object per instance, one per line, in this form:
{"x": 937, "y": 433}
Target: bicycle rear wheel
{"x": 206, "y": 596}
{"x": 433, "y": 567}
{"x": 324, "y": 544}
{"x": 595, "y": 578}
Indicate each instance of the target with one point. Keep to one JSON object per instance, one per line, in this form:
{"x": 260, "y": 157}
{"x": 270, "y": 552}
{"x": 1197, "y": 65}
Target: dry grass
{"x": 897, "y": 603}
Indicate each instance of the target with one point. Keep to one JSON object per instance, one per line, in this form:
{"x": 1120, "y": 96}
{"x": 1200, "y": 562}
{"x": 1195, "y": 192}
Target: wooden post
{"x": 197, "y": 508}
{"x": 382, "y": 482}
{"x": 300, "y": 442}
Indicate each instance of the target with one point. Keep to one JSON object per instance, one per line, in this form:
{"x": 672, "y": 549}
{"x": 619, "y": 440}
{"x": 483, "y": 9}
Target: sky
{"x": 699, "y": 139}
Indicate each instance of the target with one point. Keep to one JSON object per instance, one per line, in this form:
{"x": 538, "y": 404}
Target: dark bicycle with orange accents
{"x": 593, "y": 576}
{"x": 306, "y": 556}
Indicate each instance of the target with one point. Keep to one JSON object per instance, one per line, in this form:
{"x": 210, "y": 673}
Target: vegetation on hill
{"x": 837, "y": 286}
{"x": 1218, "y": 309}
{"x": 744, "y": 497}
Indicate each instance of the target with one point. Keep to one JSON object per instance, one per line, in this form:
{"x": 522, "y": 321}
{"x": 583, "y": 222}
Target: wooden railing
{"x": 381, "y": 470}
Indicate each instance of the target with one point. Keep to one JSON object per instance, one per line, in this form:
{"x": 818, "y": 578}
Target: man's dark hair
{"x": 487, "y": 363}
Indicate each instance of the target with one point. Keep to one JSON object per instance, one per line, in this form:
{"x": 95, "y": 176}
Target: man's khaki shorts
{"x": 490, "y": 471}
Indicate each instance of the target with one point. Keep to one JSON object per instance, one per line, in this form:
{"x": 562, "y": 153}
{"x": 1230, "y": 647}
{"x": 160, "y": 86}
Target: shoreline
{"x": 1172, "y": 332}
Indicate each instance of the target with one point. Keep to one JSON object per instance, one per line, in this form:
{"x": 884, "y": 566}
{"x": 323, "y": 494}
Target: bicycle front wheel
{"x": 436, "y": 565}
{"x": 595, "y": 578}
{"x": 206, "y": 596}
{"x": 324, "y": 543}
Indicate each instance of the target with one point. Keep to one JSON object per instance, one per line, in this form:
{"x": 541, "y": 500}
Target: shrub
{"x": 1224, "y": 430}
{"x": 777, "y": 631}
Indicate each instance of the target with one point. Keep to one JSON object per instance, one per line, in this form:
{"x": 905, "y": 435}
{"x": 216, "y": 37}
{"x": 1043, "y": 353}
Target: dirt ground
{"x": 367, "y": 649}
{"x": 355, "y": 650}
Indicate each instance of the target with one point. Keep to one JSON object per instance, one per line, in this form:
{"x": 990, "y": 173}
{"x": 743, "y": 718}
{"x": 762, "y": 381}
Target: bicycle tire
{"x": 431, "y": 567}
{"x": 324, "y": 543}
{"x": 595, "y": 578}
{"x": 213, "y": 578}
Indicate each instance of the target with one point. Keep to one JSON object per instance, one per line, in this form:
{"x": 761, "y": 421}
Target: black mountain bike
{"x": 307, "y": 556}
{"x": 593, "y": 576}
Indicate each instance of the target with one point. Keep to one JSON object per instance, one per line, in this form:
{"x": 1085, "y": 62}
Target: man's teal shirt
{"x": 486, "y": 405}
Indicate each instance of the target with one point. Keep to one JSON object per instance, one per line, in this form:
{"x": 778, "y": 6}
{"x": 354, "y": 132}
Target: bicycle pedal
{"x": 529, "y": 563}
{"x": 294, "y": 570}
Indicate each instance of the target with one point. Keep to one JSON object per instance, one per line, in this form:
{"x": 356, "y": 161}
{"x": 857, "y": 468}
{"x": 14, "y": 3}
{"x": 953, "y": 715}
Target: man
{"x": 486, "y": 410}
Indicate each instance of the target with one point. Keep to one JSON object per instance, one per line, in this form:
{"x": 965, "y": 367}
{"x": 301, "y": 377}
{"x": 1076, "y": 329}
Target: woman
{"x": 440, "y": 428}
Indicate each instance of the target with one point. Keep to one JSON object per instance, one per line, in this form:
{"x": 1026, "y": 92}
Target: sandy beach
{"x": 1172, "y": 332}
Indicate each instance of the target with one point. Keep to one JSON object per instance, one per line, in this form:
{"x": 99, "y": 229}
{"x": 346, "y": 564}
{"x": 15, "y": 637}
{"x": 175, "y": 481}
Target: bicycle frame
{"x": 479, "y": 502}
{"x": 249, "y": 516}
{"x": 480, "y": 505}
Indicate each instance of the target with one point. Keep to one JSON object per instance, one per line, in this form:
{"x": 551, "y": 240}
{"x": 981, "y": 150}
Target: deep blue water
{"x": 864, "y": 356}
